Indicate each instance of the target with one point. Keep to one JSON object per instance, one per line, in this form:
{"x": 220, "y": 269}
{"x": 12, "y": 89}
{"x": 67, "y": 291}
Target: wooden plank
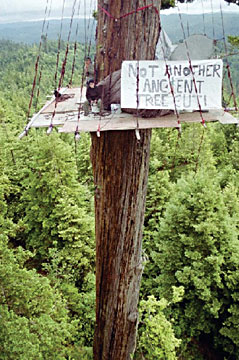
{"x": 227, "y": 119}
{"x": 44, "y": 120}
{"x": 75, "y": 97}
{"x": 116, "y": 124}
{"x": 126, "y": 121}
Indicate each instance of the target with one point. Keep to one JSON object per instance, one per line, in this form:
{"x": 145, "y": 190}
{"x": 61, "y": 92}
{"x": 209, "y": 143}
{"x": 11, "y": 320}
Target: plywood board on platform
{"x": 126, "y": 121}
{"x": 44, "y": 120}
{"x": 70, "y": 100}
{"x": 115, "y": 123}
{"x": 227, "y": 119}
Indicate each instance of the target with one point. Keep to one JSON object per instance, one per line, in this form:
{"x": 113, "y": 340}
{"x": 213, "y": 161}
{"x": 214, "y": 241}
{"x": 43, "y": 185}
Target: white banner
{"x": 148, "y": 84}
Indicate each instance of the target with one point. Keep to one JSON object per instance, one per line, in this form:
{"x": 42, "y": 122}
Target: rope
{"x": 137, "y": 134}
{"x": 203, "y": 17}
{"x": 59, "y": 45}
{"x": 179, "y": 128}
{"x": 171, "y": 87}
{"x": 110, "y": 80}
{"x": 196, "y": 90}
{"x": 63, "y": 68}
{"x": 91, "y": 34}
{"x": 50, "y": 128}
{"x": 111, "y": 17}
{"x": 40, "y": 75}
{"x": 188, "y": 30}
{"x": 191, "y": 69}
{"x": 129, "y": 13}
{"x": 77, "y": 135}
{"x": 213, "y": 25}
{"x": 75, "y": 48}
{"x": 137, "y": 103}
{"x": 85, "y": 26}
{"x": 227, "y": 63}
{"x": 36, "y": 72}
{"x": 133, "y": 12}
{"x": 88, "y": 39}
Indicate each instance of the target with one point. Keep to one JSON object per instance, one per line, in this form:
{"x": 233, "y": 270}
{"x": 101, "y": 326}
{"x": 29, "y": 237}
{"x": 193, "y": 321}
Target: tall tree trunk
{"x": 120, "y": 166}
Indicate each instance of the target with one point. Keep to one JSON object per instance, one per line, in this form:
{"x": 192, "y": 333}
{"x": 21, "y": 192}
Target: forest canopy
{"x": 189, "y": 302}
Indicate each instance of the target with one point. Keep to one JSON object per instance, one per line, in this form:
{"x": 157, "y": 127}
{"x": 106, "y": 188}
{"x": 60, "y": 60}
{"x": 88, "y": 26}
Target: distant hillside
{"x": 29, "y": 32}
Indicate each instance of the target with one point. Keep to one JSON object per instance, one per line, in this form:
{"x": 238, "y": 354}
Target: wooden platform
{"x": 129, "y": 122}
{"x": 65, "y": 108}
{"x": 67, "y": 116}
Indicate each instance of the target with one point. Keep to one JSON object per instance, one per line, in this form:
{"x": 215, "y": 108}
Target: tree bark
{"x": 120, "y": 165}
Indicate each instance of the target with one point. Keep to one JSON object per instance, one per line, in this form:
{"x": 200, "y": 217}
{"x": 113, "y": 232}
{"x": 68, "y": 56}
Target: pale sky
{"x": 13, "y": 8}
{"x": 9, "y": 6}
{"x": 25, "y": 10}
{"x": 25, "y": 5}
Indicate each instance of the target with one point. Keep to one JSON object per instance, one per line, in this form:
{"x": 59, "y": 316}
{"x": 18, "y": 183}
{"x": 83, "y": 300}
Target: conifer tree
{"x": 199, "y": 250}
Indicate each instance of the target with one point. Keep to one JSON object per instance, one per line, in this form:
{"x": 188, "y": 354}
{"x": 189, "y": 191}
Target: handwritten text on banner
{"x": 147, "y": 83}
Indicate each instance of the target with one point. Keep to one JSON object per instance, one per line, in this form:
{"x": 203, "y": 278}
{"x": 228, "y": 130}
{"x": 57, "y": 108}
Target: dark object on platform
{"x": 57, "y": 94}
{"x": 62, "y": 97}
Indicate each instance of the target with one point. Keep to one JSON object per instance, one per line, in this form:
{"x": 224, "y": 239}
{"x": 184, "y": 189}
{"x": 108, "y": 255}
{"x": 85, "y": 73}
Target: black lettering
{"x": 179, "y": 86}
{"x": 147, "y": 87}
{"x": 140, "y": 96}
{"x": 143, "y": 72}
{"x": 157, "y": 98}
{"x": 149, "y": 100}
{"x": 187, "y": 101}
{"x": 199, "y": 86}
{"x": 153, "y": 67}
{"x": 155, "y": 86}
{"x": 131, "y": 68}
{"x": 196, "y": 98}
{"x": 216, "y": 67}
{"x": 165, "y": 88}
{"x": 201, "y": 70}
{"x": 177, "y": 99}
{"x": 194, "y": 68}
{"x": 188, "y": 86}
{"x": 186, "y": 71}
{"x": 177, "y": 70}
{"x": 168, "y": 70}
{"x": 209, "y": 73}
{"x": 164, "y": 97}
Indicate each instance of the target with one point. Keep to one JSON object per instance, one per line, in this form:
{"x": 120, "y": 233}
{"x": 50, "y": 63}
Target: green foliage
{"x": 166, "y": 4}
{"x": 5, "y": 223}
{"x": 156, "y": 336}
{"x": 34, "y": 318}
{"x": 233, "y": 40}
{"x": 83, "y": 163}
{"x": 189, "y": 215}
{"x": 55, "y": 207}
{"x": 46, "y": 201}
{"x": 47, "y": 249}
{"x": 199, "y": 250}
